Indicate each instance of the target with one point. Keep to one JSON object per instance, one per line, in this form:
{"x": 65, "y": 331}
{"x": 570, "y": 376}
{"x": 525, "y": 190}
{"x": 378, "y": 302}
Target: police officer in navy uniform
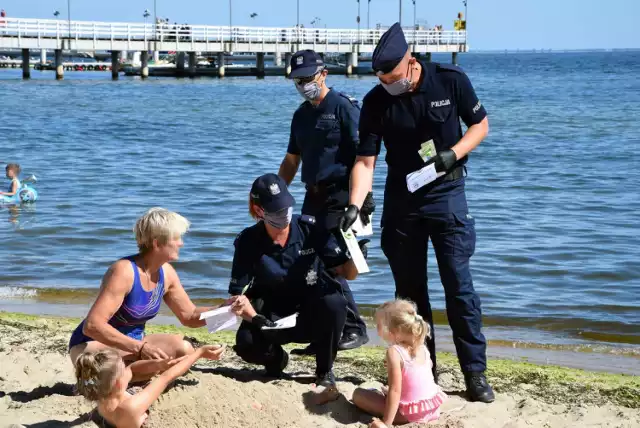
{"x": 282, "y": 265}
{"x": 324, "y": 137}
{"x": 416, "y": 110}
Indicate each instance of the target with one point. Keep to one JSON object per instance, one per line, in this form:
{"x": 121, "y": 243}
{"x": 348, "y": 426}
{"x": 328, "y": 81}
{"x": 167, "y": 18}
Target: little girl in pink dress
{"x": 412, "y": 395}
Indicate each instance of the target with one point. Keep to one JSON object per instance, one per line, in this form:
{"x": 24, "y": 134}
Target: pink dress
{"x": 421, "y": 397}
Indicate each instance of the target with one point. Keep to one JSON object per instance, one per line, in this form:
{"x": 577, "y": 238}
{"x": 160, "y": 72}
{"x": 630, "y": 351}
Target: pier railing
{"x": 196, "y": 34}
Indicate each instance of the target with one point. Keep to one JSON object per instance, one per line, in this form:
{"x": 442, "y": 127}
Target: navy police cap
{"x": 271, "y": 193}
{"x": 305, "y": 63}
{"x": 390, "y": 50}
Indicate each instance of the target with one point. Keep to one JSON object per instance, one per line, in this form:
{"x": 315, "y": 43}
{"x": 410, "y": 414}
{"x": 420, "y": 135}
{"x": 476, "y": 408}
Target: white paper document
{"x": 362, "y": 230}
{"x": 282, "y": 323}
{"x": 354, "y": 249}
{"x": 219, "y": 319}
{"x": 422, "y": 177}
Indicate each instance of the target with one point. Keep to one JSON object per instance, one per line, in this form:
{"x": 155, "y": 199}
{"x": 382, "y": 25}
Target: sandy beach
{"x": 36, "y": 389}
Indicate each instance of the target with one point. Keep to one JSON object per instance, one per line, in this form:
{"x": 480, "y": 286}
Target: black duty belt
{"x": 454, "y": 174}
{"x": 327, "y": 187}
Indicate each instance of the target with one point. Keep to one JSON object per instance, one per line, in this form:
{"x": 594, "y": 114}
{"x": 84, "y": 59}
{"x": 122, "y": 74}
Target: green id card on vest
{"x": 427, "y": 150}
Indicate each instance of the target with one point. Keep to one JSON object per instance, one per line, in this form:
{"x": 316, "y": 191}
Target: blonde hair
{"x": 400, "y": 318}
{"x": 96, "y": 373}
{"x": 159, "y": 224}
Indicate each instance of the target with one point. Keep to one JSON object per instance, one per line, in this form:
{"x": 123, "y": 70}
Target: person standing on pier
{"x": 416, "y": 109}
{"x": 324, "y": 137}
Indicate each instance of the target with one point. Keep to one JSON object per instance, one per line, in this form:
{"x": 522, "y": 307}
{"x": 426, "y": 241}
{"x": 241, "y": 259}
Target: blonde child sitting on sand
{"x": 103, "y": 377}
{"x": 412, "y": 395}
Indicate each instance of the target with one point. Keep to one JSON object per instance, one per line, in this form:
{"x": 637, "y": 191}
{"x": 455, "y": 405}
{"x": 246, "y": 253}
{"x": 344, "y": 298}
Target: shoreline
{"x": 37, "y": 388}
{"x": 526, "y": 340}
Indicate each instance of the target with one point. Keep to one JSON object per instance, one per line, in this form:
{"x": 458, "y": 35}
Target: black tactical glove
{"x": 363, "y": 247}
{"x": 262, "y": 321}
{"x": 368, "y": 207}
{"x": 445, "y": 160}
{"x": 349, "y": 217}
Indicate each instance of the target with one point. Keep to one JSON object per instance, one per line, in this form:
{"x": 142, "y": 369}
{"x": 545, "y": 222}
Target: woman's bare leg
{"x": 172, "y": 344}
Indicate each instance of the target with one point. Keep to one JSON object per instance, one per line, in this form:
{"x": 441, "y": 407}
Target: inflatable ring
{"x": 25, "y": 195}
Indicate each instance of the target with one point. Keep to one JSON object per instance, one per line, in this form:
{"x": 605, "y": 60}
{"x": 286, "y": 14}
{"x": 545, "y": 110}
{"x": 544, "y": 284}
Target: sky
{"x": 492, "y": 24}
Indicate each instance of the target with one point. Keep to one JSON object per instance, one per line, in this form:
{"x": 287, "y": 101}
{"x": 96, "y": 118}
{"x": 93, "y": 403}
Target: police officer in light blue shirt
{"x": 324, "y": 138}
{"x": 285, "y": 264}
{"x": 416, "y": 110}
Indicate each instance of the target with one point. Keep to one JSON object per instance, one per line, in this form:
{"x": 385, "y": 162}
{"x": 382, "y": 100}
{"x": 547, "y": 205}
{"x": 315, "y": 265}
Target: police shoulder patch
{"x": 309, "y": 219}
{"x": 351, "y": 99}
{"x": 448, "y": 67}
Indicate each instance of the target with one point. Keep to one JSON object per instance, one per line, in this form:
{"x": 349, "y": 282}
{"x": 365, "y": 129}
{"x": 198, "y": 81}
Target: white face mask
{"x": 398, "y": 87}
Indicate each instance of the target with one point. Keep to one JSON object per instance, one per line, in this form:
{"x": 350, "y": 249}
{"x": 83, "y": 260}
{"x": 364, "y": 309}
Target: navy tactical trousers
{"x": 320, "y": 320}
{"x": 452, "y": 232}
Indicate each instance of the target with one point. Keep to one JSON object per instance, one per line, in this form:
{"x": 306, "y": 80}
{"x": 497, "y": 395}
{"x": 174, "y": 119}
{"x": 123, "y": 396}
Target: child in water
{"x": 412, "y": 395}
{"x": 12, "y": 170}
{"x": 103, "y": 377}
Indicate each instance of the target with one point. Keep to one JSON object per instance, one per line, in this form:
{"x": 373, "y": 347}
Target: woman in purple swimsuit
{"x": 130, "y": 295}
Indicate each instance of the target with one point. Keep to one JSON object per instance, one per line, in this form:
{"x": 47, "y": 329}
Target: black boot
{"x": 309, "y": 350}
{"x": 277, "y": 363}
{"x": 352, "y": 341}
{"x": 478, "y": 389}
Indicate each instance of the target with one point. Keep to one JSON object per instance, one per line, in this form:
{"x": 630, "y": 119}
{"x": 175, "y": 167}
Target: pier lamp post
{"x": 400, "y": 13}
{"x": 69, "y": 16}
{"x": 415, "y": 35}
{"x": 368, "y": 11}
{"x": 466, "y": 20}
{"x": 298, "y": 20}
{"x": 358, "y": 20}
{"x": 155, "y": 20}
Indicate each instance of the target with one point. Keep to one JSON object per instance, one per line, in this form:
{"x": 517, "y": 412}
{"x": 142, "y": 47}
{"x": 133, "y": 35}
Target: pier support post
{"x": 352, "y": 63}
{"x": 260, "y": 64}
{"x": 156, "y": 56}
{"x": 277, "y": 59}
{"x": 144, "y": 64}
{"x": 26, "y": 71}
{"x": 454, "y": 58}
{"x": 180, "y": 63}
{"x": 220, "y": 61}
{"x": 115, "y": 65}
{"x": 43, "y": 56}
{"x": 427, "y": 57}
{"x": 192, "y": 64}
{"x": 124, "y": 56}
{"x": 58, "y": 63}
{"x": 287, "y": 63}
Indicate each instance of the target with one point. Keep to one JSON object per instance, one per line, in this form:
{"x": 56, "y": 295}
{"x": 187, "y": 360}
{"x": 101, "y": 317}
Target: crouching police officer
{"x": 288, "y": 265}
{"x": 324, "y": 137}
{"x": 416, "y": 110}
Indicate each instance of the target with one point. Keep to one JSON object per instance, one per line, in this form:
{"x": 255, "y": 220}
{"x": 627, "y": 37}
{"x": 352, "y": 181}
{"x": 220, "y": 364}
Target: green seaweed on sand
{"x": 551, "y": 384}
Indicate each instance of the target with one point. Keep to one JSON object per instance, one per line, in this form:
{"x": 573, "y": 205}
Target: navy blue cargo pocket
{"x": 465, "y": 234}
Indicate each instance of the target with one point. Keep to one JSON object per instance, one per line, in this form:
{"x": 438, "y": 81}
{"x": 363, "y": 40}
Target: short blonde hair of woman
{"x": 159, "y": 224}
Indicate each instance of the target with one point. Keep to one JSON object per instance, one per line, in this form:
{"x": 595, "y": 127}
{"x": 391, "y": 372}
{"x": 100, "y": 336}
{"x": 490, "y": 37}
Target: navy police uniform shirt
{"x": 431, "y": 112}
{"x": 326, "y": 137}
{"x": 284, "y": 275}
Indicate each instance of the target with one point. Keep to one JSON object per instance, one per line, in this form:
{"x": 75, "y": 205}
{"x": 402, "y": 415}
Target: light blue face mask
{"x": 279, "y": 219}
{"x": 398, "y": 87}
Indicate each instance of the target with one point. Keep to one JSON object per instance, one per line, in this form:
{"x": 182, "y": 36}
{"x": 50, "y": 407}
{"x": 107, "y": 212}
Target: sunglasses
{"x": 304, "y": 80}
